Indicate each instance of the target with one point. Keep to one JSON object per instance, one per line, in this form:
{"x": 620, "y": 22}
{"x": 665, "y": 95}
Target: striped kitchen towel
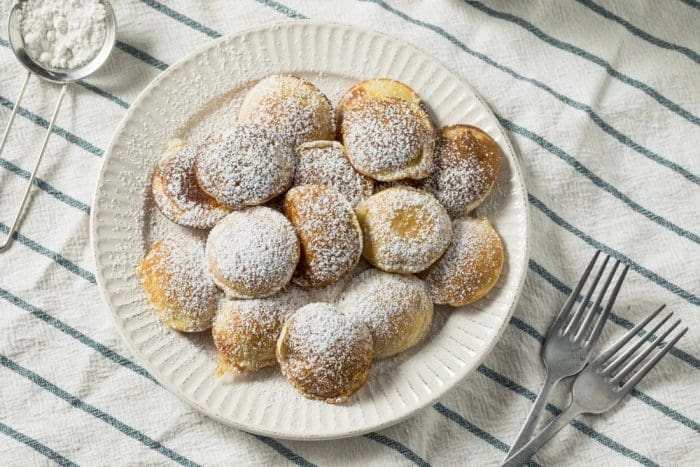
{"x": 602, "y": 102}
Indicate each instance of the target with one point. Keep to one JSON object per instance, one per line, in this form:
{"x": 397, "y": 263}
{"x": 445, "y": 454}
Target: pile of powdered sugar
{"x": 63, "y": 34}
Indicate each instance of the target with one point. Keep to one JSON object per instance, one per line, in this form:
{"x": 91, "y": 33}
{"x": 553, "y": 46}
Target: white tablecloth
{"x": 601, "y": 100}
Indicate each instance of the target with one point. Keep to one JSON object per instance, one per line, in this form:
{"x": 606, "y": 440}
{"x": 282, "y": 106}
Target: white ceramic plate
{"x": 202, "y": 92}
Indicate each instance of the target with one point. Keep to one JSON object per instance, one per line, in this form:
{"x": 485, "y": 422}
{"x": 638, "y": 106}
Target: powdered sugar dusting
{"x": 384, "y": 134}
{"x": 395, "y": 307}
{"x": 326, "y": 163}
{"x": 324, "y": 353}
{"x": 253, "y": 252}
{"x": 405, "y": 230}
{"x": 468, "y": 264}
{"x": 464, "y": 169}
{"x": 245, "y": 331}
{"x": 244, "y": 165}
{"x": 178, "y": 195}
{"x": 329, "y": 233}
{"x": 293, "y": 107}
{"x": 175, "y": 275}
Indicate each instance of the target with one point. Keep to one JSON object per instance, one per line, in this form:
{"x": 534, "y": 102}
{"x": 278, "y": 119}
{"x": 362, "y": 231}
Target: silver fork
{"x": 570, "y": 339}
{"x": 603, "y": 383}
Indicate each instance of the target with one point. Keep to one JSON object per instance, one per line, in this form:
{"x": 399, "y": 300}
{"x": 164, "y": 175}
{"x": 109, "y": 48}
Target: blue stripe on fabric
{"x": 692, "y": 3}
{"x": 619, "y": 320}
{"x": 606, "y": 127}
{"x": 182, "y": 18}
{"x": 101, "y": 92}
{"x": 475, "y": 430}
{"x": 125, "y": 362}
{"x": 68, "y": 136}
{"x": 669, "y": 412}
{"x": 50, "y": 189}
{"x": 66, "y": 263}
{"x": 597, "y": 181}
{"x": 284, "y": 9}
{"x": 141, "y": 55}
{"x": 604, "y": 440}
{"x": 95, "y": 412}
{"x": 645, "y": 88}
{"x": 526, "y": 328}
{"x": 283, "y": 450}
{"x": 396, "y": 446}
{"x": 639, "y": 32}
{"x": 554, "y": 217}
{"x": 75, "y": 334}
{"x": 36, "y": 445}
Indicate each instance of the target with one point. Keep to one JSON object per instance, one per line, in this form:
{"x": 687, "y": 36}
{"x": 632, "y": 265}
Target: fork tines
{"x": 624, "y": 365}
{"x": 578, "y": 323}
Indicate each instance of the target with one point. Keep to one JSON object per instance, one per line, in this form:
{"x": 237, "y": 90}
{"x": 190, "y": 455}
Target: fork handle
{"x": 530, "y": 424}
{"x": 526, "y": 452}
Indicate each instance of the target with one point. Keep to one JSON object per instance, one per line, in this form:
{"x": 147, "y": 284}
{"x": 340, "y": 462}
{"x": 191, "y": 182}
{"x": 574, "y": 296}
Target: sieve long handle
{"x": 18, "y": 215}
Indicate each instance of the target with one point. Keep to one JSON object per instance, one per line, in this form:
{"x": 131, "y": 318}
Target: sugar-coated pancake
{"x": 471, "y": 266}
{"x": 327, "y": 163}
{"x": 465, "y": 168}
{"x": 176, "y": 192}
{"x": 395, "y": 307}
{"x": 328, "y": 231}
{"x": 175, "y": 277}
{"x": 386, "y": 130}
{"x": 292, "y": 106}
{"x": 245, "y": 331}
{"x": 245, "y": 165}
{"x": 378, "y": 88}
{"x": 404, "y": 230}
{"x": 324, "y": 354}
{"x": 252, "y": 253}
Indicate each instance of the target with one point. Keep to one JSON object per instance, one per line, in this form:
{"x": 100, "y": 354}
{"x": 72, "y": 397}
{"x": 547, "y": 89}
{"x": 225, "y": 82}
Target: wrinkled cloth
{"x": 602, "y": 103}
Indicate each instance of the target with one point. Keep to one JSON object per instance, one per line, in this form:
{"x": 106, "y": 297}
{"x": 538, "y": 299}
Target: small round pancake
{"x": 465, "y": 168}
{"x": 327, "y": 163}
{"x": 245, "y": 165}
{"x": 291, "y": 106}
{"x": 404, "y": 230}
{"x": 176, "y": 192}
{"x": 329, "y": 234}
{"x": 378, "y": 88}
{"x": 324, "y": 354}
{"x": 175, "y": 277}
{"x": 470, "y": 267}
{"x": 245, "y": 331}
{"x": 389, "y": 139}
{"x": 252, "y": 253}
{"x": 386, "y": 130}
{"x": 395, "y": 307}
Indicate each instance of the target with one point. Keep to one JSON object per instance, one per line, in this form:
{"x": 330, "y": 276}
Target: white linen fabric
{"x": 602, "y": 103}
